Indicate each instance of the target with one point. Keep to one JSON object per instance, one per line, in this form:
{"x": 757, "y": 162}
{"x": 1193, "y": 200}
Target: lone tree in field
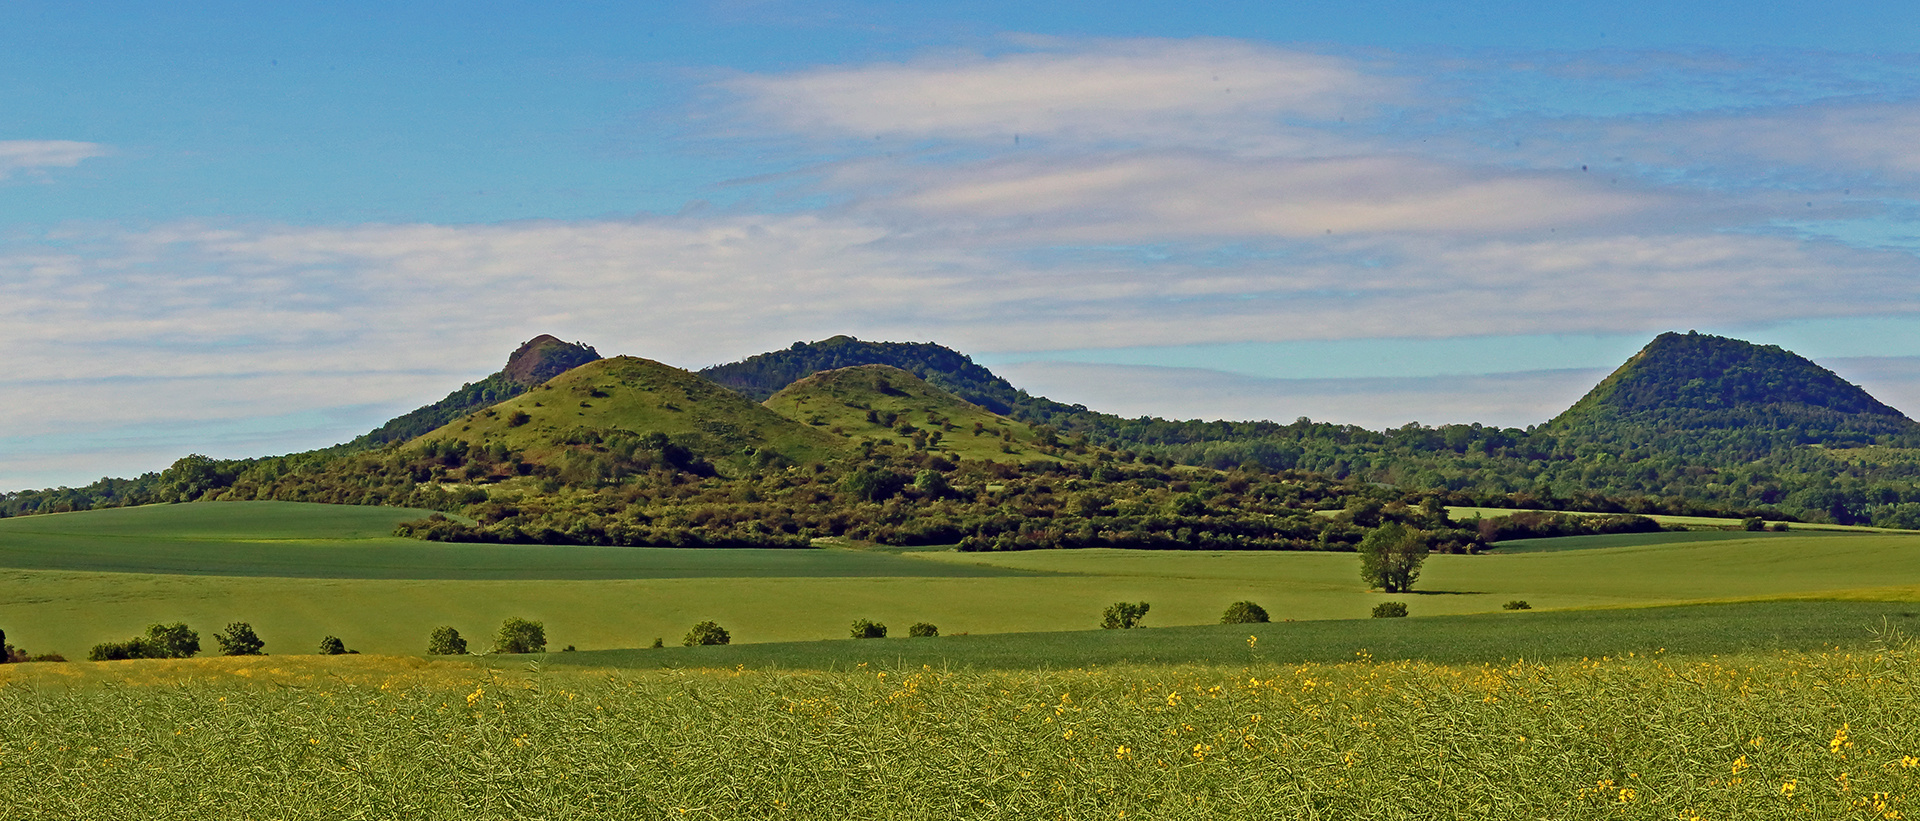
{"x": 333, "y": 646}
{"x": 240, "y": 640}
{"x": 1124, "y": 615}
{"x": 1244, "y": 612}
{"x": 517, "y": 635}
{"x": 922, "y": 630}
{"x": 1390, "y": 557}
{"x": 446, "y": 641}
{"x": 706, "y": 633}
{"x": 864, "y": 629}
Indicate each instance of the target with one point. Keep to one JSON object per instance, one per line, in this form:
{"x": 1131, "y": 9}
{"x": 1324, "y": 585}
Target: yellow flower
{"x": 1787, "y": 787}
{"x": 1739, "y": 765}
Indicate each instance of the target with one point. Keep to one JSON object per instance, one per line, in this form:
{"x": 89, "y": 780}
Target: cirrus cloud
{"x": 33, "y": 155}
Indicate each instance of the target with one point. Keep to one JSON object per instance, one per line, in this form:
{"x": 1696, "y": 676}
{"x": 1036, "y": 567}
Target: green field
{"x": 80, "y": 579}
{"x": 1461, "y": 514}
{"x": 1557, "y": 543}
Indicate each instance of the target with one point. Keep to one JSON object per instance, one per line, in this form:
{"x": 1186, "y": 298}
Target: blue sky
{"x": 242, "y": 230}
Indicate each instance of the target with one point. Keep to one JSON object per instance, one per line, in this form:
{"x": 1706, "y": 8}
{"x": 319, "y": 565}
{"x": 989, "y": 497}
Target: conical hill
{"x": 1699, "y": 382}
{"x": 625, "y": 398}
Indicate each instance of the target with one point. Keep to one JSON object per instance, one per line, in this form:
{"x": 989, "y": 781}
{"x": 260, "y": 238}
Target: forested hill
{"x": 1697, "y": 393}
{"x": 1698, "y": 375}
{"x": 760, "y": 377}
{"x": 540, "y": 359}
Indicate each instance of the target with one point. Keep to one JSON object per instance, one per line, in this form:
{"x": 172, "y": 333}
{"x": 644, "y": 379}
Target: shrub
{"x": 240, "y": 640}
{"x": 1244, "y": 612}
{"x": 922, "y": 630}
{"x": 1124, "y": 615}
{"x": 1753, "y": 523}
{"x": 863, "y": 629}
{"x": 1777, "y": 527}
{"x": 1390, "y": 610}
{"x": 135, "y": 648}
{"x": 659, "y": 643}
{"x": 706, "y": 633}
{"x": 446, "y": 641}
{"x": 518, "y": 418}
{"x": 517, "y": 635}
{"x": 333, "y": 646}
{"x": 1516, "y": 604}
{"x": 172, "y": 641}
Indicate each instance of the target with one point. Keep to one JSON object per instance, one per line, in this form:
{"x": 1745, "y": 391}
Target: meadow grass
{"x": 1461, "y": 514}
{"x": 1779, "y": 734}
{"x": 302, "y": 540}
{"x": 798, "y": 595}
{"x": 1557, "y": 543}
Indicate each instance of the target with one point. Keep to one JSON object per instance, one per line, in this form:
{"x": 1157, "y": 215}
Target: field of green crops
{"x": 1764, "y": 735}
{"x": 301, "y": 572}
{"x": 1661, "y": 676}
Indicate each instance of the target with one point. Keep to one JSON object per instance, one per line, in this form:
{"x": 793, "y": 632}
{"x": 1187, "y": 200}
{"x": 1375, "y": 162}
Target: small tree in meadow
{"x": 1124, "y": 615}
{"x": 922, "y": 630}
{"x": 1390, "y": 557}
{"x": 1244, "y": 612}
{"x": 706, "y": 633}
{"x": 333, "y": 646}
{"x": 864, "y": 629}
{"x": 518, "y": 635}
{"x": 446, "y": 641}
{"x": 240, "y": 640}
{"x": 1390, "y": 610}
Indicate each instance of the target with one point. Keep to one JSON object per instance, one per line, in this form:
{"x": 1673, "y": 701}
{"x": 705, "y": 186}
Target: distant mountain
{"x": 540, "y": 359}
{"x": 1691, "y": 383}
{"x": 882, "y": 403}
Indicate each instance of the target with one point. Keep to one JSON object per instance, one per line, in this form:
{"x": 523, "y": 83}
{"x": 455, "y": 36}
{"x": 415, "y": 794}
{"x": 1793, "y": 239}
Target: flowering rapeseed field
{"x": 1817, "y": 735}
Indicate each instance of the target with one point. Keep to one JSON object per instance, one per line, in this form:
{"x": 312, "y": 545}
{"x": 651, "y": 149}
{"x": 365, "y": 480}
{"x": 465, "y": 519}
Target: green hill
{"x": 1696, "y": 392}
{"x": 882, "y": 403}
{"x": 540, "y": 359}
{"x": 612, "y": 406}
{"x": 763, "y": 375}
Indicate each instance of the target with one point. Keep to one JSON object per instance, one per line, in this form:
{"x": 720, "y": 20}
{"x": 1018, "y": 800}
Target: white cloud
{"x": 32, "y": 155}
{"x": 1147, "y": 197}
{"x": 1129, "y": 90}
{"x": 1505, "y": 399}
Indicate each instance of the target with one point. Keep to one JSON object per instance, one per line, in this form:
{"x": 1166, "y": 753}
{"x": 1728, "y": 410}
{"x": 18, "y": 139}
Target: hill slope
{"x": 538, "y": 360}
{"x": 1697, "y": 383}
{"x": 583, "y": 409}
{"x": 882, "y": 403}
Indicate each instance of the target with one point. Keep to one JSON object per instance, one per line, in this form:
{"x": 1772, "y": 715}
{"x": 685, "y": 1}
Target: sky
{"x": 249, "y": 229}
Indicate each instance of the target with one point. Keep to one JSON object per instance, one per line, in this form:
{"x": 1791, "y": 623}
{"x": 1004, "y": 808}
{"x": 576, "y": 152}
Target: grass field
{"x": 1459, "y": 514}
{"x": 384, "y": 595}
{"x": 1768, "y": 735}
{"x": 1558, "y": 543}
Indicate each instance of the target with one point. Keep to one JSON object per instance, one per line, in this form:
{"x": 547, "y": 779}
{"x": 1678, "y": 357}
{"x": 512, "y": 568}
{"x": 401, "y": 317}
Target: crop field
{"x": 1459, "y": 513}
{"x": 296, "y": 575}
{"x": 1763, "y": 735}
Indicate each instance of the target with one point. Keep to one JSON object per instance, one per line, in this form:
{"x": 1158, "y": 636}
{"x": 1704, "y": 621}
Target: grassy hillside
{"x": 881, "y": 403}
{"x": 541, "y": 358}
{"x": 640, "y": 396}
